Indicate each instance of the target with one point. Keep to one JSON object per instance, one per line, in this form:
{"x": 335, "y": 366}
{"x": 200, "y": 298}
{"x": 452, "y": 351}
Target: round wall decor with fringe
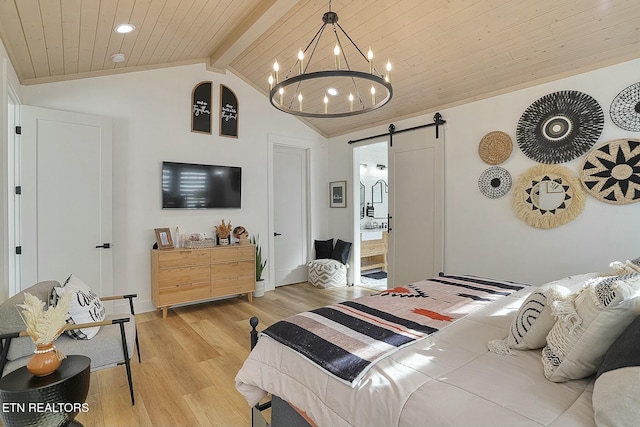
{"x": 495, "y": 182}
{"x": 559, "y": 127}
{"x": 495, "y": 147}
{"x": 625, "y": 108}
{"x": 611, "y": 172}
{"x": 548, "y": 196}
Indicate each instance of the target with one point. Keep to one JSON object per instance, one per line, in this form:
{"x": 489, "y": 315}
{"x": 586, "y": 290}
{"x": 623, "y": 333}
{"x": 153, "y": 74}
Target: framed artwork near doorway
{"x": 338, "y": 194}
{"x": 163, "y": 237}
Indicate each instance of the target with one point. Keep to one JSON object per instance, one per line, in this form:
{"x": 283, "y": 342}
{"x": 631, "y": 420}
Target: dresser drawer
{"x": 232, "y": 253}
{"x": 240, "y": 285}
{"x": 183, "y": 275}
{"x": 232, "y": 270}
{"x": 178, "y": 294}
{"x": 181, "y": 258}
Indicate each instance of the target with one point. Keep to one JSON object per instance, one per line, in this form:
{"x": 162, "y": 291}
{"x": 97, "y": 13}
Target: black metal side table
{"x": 51, "y": 401}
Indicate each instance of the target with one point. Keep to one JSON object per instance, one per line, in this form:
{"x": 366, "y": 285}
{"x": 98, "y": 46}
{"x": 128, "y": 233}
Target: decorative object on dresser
{"x": 560, "y": 126}
{"x": 611, "y": 172}
{"x": 548, "y": 196}
{"x": 163, "y": 238}
{"x": 223, "y": 231}
{"x": 241, "y": 234}
{"x": 181, "y": 276}
{"x": 495, "y": 147}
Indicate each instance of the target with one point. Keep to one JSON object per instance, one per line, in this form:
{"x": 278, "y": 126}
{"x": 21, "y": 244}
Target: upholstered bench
{"x": 327, "y": 273}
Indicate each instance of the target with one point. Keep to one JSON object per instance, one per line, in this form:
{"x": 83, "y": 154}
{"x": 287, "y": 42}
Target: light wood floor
{"x": 190, "y": 359}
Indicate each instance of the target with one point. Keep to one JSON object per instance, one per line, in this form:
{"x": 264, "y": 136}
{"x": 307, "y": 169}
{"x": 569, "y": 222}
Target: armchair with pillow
{"x": 108, "y": 340}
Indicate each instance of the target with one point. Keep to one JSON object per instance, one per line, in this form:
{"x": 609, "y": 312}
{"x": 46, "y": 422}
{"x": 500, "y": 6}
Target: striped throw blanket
{"x": 347, "y": 338}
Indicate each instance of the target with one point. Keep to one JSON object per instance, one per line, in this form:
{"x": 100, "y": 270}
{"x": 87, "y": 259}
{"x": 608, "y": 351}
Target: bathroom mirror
{"x": 379, "y": 191}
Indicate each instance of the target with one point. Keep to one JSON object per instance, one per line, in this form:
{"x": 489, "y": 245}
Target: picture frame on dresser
{"x": 163, "y": 238}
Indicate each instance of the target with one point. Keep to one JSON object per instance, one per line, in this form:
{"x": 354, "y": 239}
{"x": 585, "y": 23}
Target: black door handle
{"x": 105, "y": 246}
{"x": 277, "y": 234}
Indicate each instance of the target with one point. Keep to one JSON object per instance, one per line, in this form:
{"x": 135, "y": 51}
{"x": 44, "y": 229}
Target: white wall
{"x": 483, "y": 236}
{"x": 8, "y": 82}
{"x": 151, "y": 123}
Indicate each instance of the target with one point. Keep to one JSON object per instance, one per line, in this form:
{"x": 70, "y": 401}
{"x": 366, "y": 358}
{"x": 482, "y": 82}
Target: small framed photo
{"x": 338, "y": 194}
{"x": 163, "y": 237}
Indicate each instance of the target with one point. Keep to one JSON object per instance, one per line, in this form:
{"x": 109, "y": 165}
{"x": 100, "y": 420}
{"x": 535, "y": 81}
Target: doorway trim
{"x": 355, "y": 199}
{"x": 286, "y": 141}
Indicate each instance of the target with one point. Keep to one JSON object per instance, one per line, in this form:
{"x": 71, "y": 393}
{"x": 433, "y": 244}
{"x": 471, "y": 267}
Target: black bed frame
{"x": 282, "y": 414}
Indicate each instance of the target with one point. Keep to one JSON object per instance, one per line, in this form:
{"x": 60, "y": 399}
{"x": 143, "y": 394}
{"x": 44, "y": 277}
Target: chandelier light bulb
{"x": 336, "y": 52}
{"x": 373, "y": 95}
{"x": 370, "y": 58}
{"x": 388, "y": 77}
{"x": 281, "y": 92}
{"x": 350, "y": 101}
{"x": 301, "y": 59}
{"x": 270, "y": 81}
{"x": 276, "y": 67}
{"x": 300, "y": 100}
{"x": 326, "y": 104}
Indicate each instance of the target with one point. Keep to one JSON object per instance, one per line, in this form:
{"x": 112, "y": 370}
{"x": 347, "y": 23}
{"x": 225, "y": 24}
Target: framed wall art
{"x": 338, "y": 194}
{"x": 228, "y": 112}
{"x": 201, "y": 108}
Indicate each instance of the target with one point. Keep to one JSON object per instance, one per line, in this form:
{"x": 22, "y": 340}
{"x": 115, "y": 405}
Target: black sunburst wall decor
{"x": 559, "y": 127}
{"x": 625, "y": 108}
{"x": 611, "y": 172}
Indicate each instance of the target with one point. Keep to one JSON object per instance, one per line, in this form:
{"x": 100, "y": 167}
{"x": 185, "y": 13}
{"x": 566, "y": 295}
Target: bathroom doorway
{"x": 373, "y": 215}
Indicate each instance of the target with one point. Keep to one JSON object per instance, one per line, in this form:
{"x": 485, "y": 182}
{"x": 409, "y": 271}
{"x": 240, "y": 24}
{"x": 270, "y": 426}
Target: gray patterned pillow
{"x": 589, "y": 321}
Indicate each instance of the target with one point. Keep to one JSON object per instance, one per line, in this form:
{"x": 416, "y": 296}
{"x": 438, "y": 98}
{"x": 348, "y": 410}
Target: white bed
{"x": 446, "y": 379}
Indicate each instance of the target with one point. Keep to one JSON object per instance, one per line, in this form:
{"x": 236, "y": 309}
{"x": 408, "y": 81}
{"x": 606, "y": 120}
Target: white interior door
{"x": 290, "y": 214}
{"x": 416, "y": 201}
{"x": 66, "y": 198}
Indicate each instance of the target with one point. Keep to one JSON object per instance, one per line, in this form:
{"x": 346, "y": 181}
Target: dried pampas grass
{"x": 44, "y": 326}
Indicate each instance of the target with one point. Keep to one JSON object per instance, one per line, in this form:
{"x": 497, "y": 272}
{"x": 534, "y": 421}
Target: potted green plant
{"x": 260, "y": 265}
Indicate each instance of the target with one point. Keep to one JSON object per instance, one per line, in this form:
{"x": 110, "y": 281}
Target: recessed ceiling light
{"x": 124, "y": 28}
{"x": 332, "y": 91}
{"x": 117, "y": 57}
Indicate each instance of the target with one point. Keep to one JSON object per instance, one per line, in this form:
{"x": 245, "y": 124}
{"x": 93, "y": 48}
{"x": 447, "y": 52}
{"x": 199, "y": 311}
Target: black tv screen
{"x": 194, "y": 186}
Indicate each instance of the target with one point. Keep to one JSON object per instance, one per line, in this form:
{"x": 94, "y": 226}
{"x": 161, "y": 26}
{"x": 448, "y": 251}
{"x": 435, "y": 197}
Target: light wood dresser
{"x": 189, "y": 275}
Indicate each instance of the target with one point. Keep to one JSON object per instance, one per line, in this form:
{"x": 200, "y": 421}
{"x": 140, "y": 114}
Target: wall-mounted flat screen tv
{"x": 195, "y": 186}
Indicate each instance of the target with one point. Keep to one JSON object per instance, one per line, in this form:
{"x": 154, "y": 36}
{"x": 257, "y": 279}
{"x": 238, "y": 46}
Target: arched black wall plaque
{"x": 201, "y": 108}
{"x": 228, "y": 112}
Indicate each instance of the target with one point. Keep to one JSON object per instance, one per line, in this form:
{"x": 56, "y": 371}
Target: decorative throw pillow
{"x": 533, "y": 321}
{"x": 341, "y": 251}
{"x": 627, "y": 267}
{"x": 86, "y": 307}
{"x": 589, "y": 321}
{"x": 616, "y": 392}
{"x": 323, "y": 248}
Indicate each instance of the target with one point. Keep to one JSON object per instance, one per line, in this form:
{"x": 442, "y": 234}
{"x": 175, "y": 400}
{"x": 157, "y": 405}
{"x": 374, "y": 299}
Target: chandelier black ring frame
{"x": 329, "y": 73}
{"x": 329, "y": 76}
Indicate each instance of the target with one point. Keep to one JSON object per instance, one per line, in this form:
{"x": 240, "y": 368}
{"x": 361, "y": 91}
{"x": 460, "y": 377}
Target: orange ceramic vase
{"x": 44, "y": 361}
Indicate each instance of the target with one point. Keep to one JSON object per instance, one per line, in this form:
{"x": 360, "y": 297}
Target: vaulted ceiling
{"x": 444, "y": 52}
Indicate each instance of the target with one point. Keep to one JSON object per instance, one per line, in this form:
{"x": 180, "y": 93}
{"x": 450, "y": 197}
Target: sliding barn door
{"x": 416, "y": 204}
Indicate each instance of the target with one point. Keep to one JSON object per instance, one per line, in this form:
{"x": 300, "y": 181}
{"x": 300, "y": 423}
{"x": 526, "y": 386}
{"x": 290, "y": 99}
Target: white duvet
{"x": 447, "y": 379}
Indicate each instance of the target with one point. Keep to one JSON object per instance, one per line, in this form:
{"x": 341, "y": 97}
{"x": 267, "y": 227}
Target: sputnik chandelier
{"x": 338, "y": 90}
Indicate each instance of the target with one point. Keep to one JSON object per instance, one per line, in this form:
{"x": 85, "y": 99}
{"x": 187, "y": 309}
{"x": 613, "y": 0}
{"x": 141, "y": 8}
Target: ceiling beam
{"x": 248, "y": 31}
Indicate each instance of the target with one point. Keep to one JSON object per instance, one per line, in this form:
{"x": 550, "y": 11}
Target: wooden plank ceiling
{"x": 444, "y": 52}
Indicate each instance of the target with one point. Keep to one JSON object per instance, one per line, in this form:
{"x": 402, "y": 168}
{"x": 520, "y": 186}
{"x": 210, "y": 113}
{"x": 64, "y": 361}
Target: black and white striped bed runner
{"x": 347, "y": 338}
